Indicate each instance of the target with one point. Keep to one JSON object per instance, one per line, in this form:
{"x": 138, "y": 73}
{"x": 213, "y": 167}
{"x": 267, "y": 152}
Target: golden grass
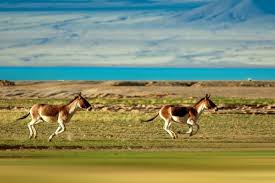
{"x": 124, "y": 130}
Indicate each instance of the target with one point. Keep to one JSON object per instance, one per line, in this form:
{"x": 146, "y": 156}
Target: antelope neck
{"x": 72, "y": 107}
{"x": 200, "y": 108}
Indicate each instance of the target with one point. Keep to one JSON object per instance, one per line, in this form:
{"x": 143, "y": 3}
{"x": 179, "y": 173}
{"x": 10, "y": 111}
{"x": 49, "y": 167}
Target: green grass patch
{"x": 211, "y": 161}
{"x": 122, "y": 167}
{"x": 136, "y": 101}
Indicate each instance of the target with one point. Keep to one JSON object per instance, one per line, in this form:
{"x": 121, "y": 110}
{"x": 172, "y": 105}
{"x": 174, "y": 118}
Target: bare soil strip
{"x": 126, "y": 89}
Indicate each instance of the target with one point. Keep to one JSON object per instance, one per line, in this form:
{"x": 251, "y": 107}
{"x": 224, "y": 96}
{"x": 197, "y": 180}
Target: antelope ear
{"x": 79, "y": 94}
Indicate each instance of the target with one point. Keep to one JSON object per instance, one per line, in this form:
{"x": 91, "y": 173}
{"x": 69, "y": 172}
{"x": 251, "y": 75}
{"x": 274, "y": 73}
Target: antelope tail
{"x": 23, "y": 117}
{"x": 151, "y": 119}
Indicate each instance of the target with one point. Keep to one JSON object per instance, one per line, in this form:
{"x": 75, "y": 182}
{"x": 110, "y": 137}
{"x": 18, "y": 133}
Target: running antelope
{"x": 182, "y": 115}
{"x": 55, "y": 113}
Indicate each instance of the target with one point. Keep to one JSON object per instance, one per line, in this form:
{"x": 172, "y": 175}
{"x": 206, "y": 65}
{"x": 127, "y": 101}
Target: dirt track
{"x": 65, "y": 89}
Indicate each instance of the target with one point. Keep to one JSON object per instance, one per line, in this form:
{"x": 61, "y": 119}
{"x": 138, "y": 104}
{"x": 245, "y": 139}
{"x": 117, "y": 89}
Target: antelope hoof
{"x": 30, "y": 137}
{"x": 50, "y": 138}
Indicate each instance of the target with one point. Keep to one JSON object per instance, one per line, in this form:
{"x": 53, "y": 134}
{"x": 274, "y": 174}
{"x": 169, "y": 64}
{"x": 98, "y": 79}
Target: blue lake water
{"x": 133, "y": 73}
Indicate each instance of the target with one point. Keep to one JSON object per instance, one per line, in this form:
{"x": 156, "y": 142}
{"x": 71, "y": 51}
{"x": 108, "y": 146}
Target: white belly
{"x": 49, "y": 119}
{"x": 180, "y": 119}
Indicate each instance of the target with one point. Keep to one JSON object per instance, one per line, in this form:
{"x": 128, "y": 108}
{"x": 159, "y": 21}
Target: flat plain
{"x": 110, "y": 144}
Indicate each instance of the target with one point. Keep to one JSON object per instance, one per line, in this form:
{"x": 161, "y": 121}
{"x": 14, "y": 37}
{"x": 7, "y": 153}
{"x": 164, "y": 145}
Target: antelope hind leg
{"x": 166, "y": 128}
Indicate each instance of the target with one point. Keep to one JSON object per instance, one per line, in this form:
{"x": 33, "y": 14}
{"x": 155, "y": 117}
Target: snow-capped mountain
{"x": 229, "y": 11}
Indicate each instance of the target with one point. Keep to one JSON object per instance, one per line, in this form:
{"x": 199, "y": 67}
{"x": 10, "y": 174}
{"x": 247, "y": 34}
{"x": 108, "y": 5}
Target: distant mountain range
{"x": 233, "y": 11}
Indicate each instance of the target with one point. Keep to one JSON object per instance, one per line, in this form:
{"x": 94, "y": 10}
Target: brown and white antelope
{"x": 184, "y": 115}
{"x": 54, "y": 113}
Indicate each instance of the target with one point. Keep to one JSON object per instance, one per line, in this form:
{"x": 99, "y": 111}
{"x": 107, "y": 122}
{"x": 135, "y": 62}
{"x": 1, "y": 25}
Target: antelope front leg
{"x": 60, "y": 129}
{"x": 55, "y": 133}
{"x": 189, "y": 130}
{"x": 190, "y": 123}
{"x": 198, "y": 127}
